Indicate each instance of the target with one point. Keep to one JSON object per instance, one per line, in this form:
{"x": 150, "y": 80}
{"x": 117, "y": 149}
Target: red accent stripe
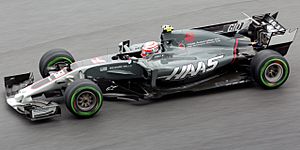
{"x": 143, "y": 55}
{"x": 147, "y": 50}
{"x": 235, "y": 50}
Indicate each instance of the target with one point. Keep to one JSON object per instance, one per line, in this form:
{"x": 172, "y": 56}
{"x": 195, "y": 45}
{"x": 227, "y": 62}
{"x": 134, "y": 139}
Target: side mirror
{"x": 116, "y": 57}
{"x": 133, "y": 59}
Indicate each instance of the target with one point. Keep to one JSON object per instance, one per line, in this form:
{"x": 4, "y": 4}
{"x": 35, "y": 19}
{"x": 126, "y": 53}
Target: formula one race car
{"x": 235, "y": 52}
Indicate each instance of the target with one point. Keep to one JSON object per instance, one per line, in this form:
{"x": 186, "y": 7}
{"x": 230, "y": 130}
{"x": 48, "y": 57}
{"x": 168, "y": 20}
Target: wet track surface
{"x": 237, "y": 118}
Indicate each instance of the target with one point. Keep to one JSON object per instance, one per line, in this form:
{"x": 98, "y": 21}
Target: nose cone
{"x": 18, "y": 97}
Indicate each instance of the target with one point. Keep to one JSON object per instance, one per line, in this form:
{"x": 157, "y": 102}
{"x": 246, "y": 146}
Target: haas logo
{"x": 191, "y": 70}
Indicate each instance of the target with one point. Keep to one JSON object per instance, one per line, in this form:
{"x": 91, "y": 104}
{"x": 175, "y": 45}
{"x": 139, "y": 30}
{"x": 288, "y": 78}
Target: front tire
{"x": 54, "y": 60}
{"x": 269, "y": 69}
{"x": 83, "y": 98}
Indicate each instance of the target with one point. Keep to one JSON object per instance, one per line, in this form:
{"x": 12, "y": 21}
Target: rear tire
{"x": 269, "y": 69}
{"x": 52, "y": 58}
{"x": 83, "y": 98}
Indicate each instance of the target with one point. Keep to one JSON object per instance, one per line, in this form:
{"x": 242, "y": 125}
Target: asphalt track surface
{"x": 247, "y": 118}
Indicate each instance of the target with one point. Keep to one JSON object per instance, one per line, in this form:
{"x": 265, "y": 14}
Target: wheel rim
{"x": 274, "y": 72}
{"x": 98, "y": 101}
{"x": 276, "y": 79}
{"x": 86, "y": 101}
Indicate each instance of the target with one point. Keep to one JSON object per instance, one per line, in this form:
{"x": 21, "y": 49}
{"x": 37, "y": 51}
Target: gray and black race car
{"x": 235, "y": 52}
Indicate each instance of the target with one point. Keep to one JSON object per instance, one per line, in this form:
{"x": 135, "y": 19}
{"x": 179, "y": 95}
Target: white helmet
{"x": 150, "y": 48}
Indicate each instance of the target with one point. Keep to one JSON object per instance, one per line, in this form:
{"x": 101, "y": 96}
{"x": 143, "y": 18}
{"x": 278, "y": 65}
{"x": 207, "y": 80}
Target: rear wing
{"x": 232, "y": 27}
{"x": 263, "y": 29}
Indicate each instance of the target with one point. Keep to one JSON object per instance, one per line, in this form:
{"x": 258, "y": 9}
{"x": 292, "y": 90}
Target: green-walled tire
{"x": 83, "y": 98}
{"x": 269, "y": 69}
{"x": 54, "y": 58}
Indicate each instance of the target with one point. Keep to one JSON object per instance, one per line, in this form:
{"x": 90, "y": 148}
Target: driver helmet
{"x": 150, "y": 48}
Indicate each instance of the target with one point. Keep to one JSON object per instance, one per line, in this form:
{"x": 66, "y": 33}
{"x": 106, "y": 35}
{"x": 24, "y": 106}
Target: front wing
{"x": 34, "y": 109}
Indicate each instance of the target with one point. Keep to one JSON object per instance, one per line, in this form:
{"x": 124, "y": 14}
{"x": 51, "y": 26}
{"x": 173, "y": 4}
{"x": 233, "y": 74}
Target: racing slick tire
{"x": 83, "y": 98}
{"x": 269, "y": 69}
{"x": 55, "y": 58}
